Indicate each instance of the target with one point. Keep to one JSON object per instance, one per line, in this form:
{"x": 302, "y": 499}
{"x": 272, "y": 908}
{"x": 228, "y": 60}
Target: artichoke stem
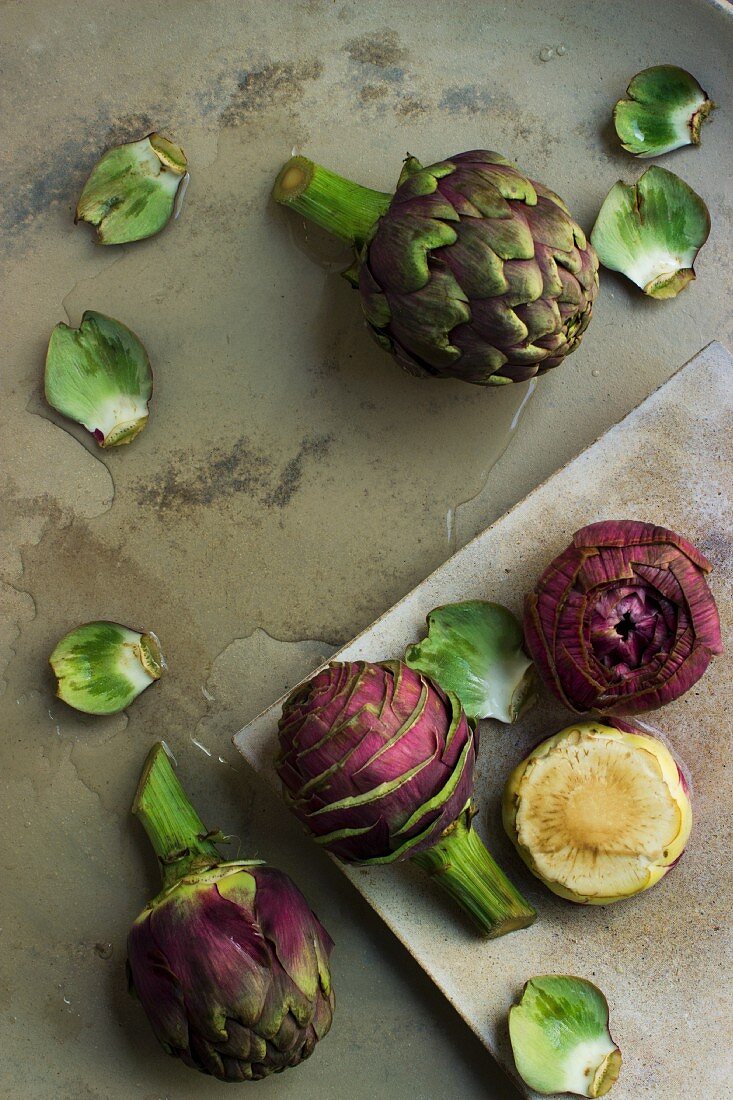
{"x": 460, "y": 863}
{"x": 346, "y": 209}
{"x": 177, "y": 833}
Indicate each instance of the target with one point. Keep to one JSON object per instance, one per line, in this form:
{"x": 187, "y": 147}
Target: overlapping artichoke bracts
{"x": 478, "y": 273}
{"x": 376, "y": 761}
{"x": 232, "y": 969}
{"x": 623, "y": 620}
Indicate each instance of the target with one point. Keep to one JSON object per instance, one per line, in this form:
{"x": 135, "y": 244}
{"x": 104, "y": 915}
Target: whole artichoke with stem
{"x": 377, "y": 762}
{"x": 229, "y": 962}
{"x": 470, "y": 270}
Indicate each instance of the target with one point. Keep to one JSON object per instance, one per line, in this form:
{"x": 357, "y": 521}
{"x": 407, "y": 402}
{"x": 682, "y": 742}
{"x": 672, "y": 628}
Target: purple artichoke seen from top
{"x": 623, "y": 620}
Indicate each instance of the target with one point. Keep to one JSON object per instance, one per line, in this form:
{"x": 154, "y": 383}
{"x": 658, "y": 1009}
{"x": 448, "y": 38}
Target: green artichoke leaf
{"x": 100, "y": 667}
{"x": 132, "y": 191}
{"x": 99, "y": 375}
{"x": 560, "y": 1038}
{"x": 475, "y": 650}
{"x": 665, "y": 110}
{"x": 652, "y": 231}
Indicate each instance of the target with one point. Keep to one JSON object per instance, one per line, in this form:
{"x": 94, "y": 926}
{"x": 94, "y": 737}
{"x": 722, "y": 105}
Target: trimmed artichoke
{"x": 101, "y": 667}
{"x": 651, "y": 231}
{"x": 599, "y": 812}
{"x": 470, "y": 270}
{"x": 377, "y": 763}
{"x": 665, "y": 110}
{"x": 560, "y": 1038}
{"x": 229, "y": 962}
{"x": 623, "y": 620}
{"x": 474, "y": 649}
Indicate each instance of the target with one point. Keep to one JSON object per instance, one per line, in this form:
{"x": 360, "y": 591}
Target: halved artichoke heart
{"x": 652, "y": 231}
{"x": 598, "y": 812}
{"x": 100, "y": 667}
{"x": 132, "y": 191}
{"x": 99, "y": 375}
{"x": 665, "y": 110}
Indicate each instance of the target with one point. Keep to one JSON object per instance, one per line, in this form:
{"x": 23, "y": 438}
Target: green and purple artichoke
{"x": 377, "y": 762}
{"x": 623, "y": 620}
{"x": 470, "y": 270}
{"x": 229, "y": 962}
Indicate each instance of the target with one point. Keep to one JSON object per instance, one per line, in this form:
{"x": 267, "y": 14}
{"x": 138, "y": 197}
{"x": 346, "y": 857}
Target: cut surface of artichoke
{"x": 597, "y": 813}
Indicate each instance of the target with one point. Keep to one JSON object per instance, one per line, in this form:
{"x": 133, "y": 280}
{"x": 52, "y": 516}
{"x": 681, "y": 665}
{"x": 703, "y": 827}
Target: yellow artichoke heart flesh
{"x": 598, "y": 813}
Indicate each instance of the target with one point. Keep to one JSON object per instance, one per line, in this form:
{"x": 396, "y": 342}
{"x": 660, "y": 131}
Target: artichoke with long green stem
{"x": 470, "y": 270}
{"x": 229, "y": 962}
{"x": 377, "y": 763}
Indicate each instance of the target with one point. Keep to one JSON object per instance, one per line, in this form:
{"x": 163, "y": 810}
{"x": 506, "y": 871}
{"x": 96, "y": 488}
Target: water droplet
{"x": 200, "y": 746}
{"x": 595, "y": 373}
{"x": 546, "y": 53}
{"x": 561, "y": 50}
{"x": 104, "y": 950}
{"x": 178, "y": 204}
{"x": 450, "y": 523}
{"x": 169, "y": 753}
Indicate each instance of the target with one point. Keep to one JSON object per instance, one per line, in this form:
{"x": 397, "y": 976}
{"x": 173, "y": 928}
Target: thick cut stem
{"x": 460, "y": 864}
{"x": 346, "y": 209}
{"x": 175, "y": 830}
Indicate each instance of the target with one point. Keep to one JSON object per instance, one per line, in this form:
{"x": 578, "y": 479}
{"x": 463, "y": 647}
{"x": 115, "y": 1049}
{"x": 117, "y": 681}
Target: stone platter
{"x": 662, "y": 957}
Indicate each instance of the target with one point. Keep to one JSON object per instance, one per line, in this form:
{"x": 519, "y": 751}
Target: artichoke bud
{"x": 99, "y": 375}
{"x": 377, "y": 763}
{"x": 560, "y": 1037}
{"x": 470, "y": 270}
{"x": 101, "y": 667}
{"x": 623, "y": 620}
{"x": 228, "y": 961}
{"x": 133, "y": 190}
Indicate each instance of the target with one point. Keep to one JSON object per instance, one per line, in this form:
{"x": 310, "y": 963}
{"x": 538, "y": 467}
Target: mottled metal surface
{"x": 662, "y": 958}
{"x": 292, "y": 483}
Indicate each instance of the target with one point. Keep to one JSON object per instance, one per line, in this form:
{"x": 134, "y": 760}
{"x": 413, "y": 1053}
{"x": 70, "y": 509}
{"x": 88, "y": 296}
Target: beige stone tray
{"x": 664, "y": 958}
